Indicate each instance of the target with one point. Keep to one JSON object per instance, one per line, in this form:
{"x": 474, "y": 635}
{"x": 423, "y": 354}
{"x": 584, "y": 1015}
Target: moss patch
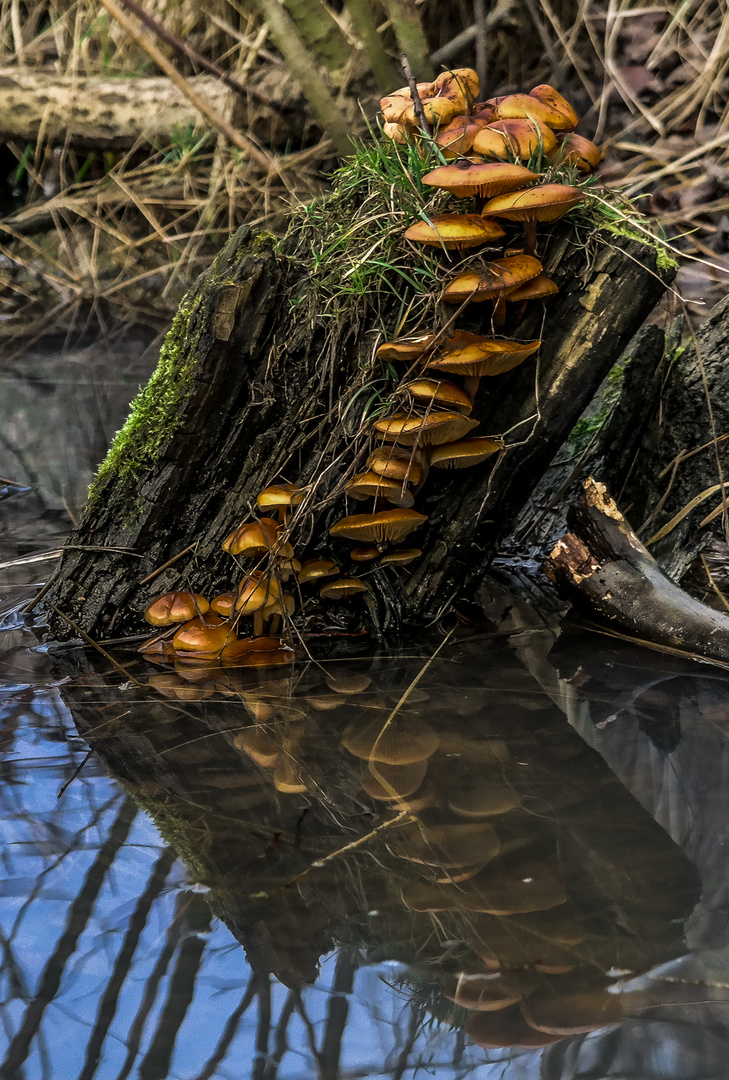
{"x": 155, "y": 412}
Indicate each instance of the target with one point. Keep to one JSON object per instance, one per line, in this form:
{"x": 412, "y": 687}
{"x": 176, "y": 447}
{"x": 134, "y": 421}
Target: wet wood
{"x": 604, "y": 569}
{"x": 264, "y": 384}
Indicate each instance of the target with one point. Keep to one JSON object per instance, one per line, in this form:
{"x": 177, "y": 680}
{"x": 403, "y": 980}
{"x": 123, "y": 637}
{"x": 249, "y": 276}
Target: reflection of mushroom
{"x": 458, "y": 231}
{"x": 482, "y": 797}
{"x": 508, "y": 1027}
{"x": 568, "y": 1007}
{"x": 390, "y": 782}
{"x": 548, "y": 202}
{"x": 484, "y": 993}
{"x": 400, "y": 742}
{"x": 258, "y": 745}
{"x": 448, "y": 845}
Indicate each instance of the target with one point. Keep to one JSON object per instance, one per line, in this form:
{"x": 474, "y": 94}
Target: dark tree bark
{"x": 603, "y": 568}
{"x": 258, "y": 381}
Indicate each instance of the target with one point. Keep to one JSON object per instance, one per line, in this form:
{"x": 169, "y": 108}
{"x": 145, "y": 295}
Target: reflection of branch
{"x": 263, "y": 1031}
{"x": 310, "y": 1032}
{"x": 76, "y": 923}
{"x": 136, "y": 1031}
{"x": 122, "y": 965}
{"x": 341, "y": 851}
{"x": 337, "y": 1012}
{"x": 230, "y": 1030}
{"x": 280, "y": 1042}
{"x": 156, "y": 1062}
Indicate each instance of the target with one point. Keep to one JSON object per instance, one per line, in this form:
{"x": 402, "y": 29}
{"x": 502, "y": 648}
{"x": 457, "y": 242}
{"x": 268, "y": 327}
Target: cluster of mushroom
{"x": 433, "y": 426}
{"x": 198, "y": 631}
{"x": 514, "y": 127}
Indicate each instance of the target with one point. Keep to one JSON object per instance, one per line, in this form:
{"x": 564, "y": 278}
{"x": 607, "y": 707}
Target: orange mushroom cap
{"x": 253, "y": 538}
{"x": 549, "y": 96}
{"x": 514, "y": 139}
{"x": 496, "y": 278}
{"x": 580, "y": 152}
{"x": 175, "y": 607}
{"x": 486, "y": 179}
{"x": 431, "y": 430}
{"x": 386, "y": 525}
{"x": 490, "y": 356}
{"x": 454, "y": 231}
{"x": 464, "y": 452}
{"x": 369, "y": 484}
{"x": 548, "y": 202}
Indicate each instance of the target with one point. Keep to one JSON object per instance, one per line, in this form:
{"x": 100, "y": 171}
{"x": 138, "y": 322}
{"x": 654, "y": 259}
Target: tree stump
{"x": 262, "y": 379}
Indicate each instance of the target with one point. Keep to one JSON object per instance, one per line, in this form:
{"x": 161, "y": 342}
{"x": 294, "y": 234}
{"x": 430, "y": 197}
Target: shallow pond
{"x": 502, "y": 853}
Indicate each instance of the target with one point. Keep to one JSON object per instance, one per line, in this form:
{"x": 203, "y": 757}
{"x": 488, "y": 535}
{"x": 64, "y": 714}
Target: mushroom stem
{"x": 258, "y": 623}
{"x": 499, "y": 313}
{"x": 530, "y": 237}
{"x": 470, "y": 385}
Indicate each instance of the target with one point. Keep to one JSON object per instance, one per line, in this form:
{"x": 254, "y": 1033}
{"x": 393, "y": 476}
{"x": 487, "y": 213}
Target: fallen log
{"x": 266, "y": 376}
{"x": 602, "y": 568}
{"x": 106, "y": 114}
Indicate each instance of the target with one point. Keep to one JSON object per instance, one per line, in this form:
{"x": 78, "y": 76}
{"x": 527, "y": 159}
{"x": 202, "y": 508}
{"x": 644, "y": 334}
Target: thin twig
{"x": 417, "y": 103}
{"x": 95, "y": 645}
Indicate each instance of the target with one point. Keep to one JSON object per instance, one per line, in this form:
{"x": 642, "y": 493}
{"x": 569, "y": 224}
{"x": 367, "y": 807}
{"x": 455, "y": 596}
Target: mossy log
{"x": 262, "y": 379}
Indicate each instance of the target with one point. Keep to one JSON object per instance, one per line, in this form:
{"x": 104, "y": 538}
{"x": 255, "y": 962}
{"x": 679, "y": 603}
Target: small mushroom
{"x": 280, "y": 497}
{"x": 314, "y": 569}
{"x": 369, "y": 484}
{"x": 438, "y": 392}
{"x": 400, "y": 557}
{"x": 206, "y": 634}
{"x": 175, "y": 607}
{"x": 549, "y": 96}
{"x": 580, "y": 152}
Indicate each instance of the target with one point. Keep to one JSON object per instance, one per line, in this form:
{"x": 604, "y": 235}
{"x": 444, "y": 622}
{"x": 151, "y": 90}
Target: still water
{"x": 500, "y": 855}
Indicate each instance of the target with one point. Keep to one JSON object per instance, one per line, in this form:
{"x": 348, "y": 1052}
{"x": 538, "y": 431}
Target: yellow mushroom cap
{"x": 548, "y": 202}
{"x": 495, "y": 279}
{"x": 175, "y": 607}
{"x": 537, "y": 289}
{"x": 255, "y": 592}
{"x": 454, "y": 231}
{"x": 313, "y": 569}
{"x": 205, "y": 634}
{"x": 440, "y": 392}
{"x": 253, "y": 538}
{"x": 396, "y": 463}
{"x": 279, "y": 495}
{"x": 531, "y": 107}
{"x": 366, "y": 553}
{"x": 401, "y": 557}
{"x": 464, "y": 452}
{"x": 580, "y": 152}
{"x": 386, "y": 525}
{"x": 342, "y": 588}
{"x": 223, "y": 604}
{"x": 486, "y": 179}
{"x": 369, "y": 484}
{"x": 431, "y": 430}
{"x": 493, "y": 356}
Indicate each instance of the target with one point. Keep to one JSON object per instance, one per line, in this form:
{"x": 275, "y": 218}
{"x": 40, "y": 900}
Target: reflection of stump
{"x": 523, "y": 848}
{"x": 253, "y": 387}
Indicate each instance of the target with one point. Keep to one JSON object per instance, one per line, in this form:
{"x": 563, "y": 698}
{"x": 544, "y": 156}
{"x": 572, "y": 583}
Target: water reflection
{"x": 459, "y": 877}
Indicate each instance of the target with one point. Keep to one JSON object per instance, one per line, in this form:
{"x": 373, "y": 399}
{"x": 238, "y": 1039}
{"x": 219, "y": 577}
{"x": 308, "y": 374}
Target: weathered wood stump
{"x": 261, "y": 379}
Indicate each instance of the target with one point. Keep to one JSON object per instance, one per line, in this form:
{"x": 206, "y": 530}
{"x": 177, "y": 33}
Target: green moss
{"x": 155, "y": 412}
{"x": 592, "y": 421}
{"x": 622, "y": 219}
